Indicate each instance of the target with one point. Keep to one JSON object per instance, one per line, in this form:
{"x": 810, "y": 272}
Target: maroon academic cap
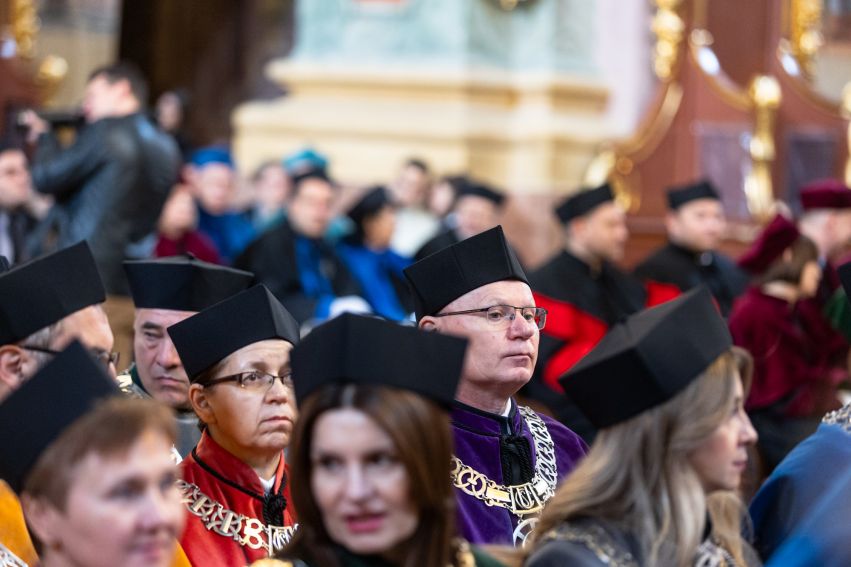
{"x": 825, "y": 194}
{"x": 776, "y": 237}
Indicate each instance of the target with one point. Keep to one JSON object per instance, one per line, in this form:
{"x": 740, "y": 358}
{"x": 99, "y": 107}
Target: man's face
{"x": 272, "y": 187}
{"x": 698, "y": 225}
{"x": 157, "y": 362}
{"x": 500, "y": 356}
{"x": 89, "y": 326}
{"x": 412, "y": 186}
{"x": 603, "y": 232}
{"x": 310, "y": 209}
{"x": 475, "y": 215}
{"x": 121, "y": 509}
{"x": 101, "y": 98}
{"x": 15, "y": 181}
{"x": 214, "y": 187}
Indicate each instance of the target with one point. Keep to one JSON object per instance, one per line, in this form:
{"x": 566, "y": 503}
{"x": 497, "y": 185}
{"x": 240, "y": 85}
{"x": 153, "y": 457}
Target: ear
{"x": 199, "y": 398}
{"x": 428, "y": 323}
{"x": 670, "y": 220}
{"x": 11, "y": 366}
{"x": 45, "y": 521}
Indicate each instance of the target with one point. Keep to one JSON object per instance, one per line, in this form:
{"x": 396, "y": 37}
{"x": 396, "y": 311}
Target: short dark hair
{"x": 299, "y": 180}
{"x": 418, "y": 163}
{"x": 124, "y": 71}
{"x": 803, "y": 251}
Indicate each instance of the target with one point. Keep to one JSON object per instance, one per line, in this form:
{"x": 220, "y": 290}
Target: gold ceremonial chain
{"x": 244, "y": 530}
{"x": 595, "y": 539}
{"x": 520, "y": 499}
{"x": 9, "y": 559}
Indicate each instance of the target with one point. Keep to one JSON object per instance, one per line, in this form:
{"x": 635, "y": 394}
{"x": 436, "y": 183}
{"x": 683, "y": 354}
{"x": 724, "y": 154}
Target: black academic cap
{"x": 679, "y": 196}
{"x": 365, "y": 350}
{"x": 35, "y": 414}
{"x": 183, "y": 283}
{"x": 648, "y": 359}
{"x": 43, "y": 291}
{"x": 372, "y": 201}
{"x": 473, "y": 189}
{"x": 583, "y": 202}
{"x": 248, "y": 317}
{"x": 446, "y": 275}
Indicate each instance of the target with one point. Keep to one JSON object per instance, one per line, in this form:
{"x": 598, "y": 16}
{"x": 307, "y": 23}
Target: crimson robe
{"x": 237, "y": 534}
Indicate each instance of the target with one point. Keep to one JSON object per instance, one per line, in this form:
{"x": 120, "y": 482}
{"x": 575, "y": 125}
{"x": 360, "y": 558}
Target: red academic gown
{"x": 582, "y": 304}
{"x": 225, "y": 526}
{"x": 791, "y": 370}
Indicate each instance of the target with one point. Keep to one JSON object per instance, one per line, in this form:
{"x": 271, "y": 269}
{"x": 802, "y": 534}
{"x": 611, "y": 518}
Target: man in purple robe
{"x": 508, "y": 459}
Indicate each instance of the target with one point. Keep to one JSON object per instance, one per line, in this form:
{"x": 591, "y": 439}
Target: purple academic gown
{"x": 478, "y": 444}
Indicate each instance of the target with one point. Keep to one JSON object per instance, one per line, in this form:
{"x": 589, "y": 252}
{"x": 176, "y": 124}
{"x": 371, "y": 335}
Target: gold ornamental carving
{"x": 805, "y": 37}
{"x": 669, "y": 28}
{"x": 25, "y": 26}
{"x": 765, "y": 95}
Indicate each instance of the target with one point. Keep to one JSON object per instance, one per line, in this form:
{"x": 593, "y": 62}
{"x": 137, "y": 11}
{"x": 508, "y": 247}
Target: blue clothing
{"x": 313, "y": 281}
{"x": 793, "y": 491}
{"x": 375, "y": 272}
{"x": 823, "y": 536}
{"x": 230, "y": 232}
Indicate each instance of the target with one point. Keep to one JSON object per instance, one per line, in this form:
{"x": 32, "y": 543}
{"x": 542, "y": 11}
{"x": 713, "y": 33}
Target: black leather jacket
{"x": 109, "y": 186}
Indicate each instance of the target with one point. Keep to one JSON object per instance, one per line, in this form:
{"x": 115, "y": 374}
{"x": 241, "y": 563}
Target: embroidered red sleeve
{"x": 579, "y": 331}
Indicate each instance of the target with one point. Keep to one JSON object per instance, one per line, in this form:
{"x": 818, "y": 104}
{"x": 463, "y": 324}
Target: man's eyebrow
{"x": 147, "y": 325}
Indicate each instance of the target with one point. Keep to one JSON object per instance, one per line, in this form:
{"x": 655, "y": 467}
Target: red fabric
{"x": 204, "y": 547}
{"x": 196, "y": 243}
{"x": 658, "y": 292}
{"x": 775, "y": 238}
{"x": 787, "y": 363}
{"x": 578, "y": 329}
{"x": 825, "y": 194}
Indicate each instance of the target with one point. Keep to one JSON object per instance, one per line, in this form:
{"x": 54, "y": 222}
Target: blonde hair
{"x": 638, "y": 475}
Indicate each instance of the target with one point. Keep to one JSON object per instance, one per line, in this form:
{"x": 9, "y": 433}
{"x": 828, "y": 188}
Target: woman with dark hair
{"x": 368, "y": 256}
{"x": 235, "y": 483}
{"x": 666, "y": 390}
{"x": 793, "y": 383}
{"x": 378, "y": 495}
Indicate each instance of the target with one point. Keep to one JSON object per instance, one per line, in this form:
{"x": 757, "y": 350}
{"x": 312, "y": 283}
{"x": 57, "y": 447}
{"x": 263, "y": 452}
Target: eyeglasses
{"x": 104, "y": 357}
{"x": 256, "y": 380}
{"x": 505, "y": 314}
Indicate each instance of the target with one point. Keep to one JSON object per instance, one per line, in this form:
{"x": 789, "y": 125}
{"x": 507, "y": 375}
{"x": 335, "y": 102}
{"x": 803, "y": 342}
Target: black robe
{"x": 582, "y": 305}
{"x": 272, "y": 259}
{"x": 676, "y": 265}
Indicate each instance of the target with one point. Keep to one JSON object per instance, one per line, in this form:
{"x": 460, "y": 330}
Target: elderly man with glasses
{"x": 508, "y": 459}
{"x": 45, "y": 304}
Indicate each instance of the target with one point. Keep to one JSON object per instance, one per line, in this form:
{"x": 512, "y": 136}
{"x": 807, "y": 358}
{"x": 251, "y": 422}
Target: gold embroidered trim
{"x": 9, "y": 559}
{"x": 244, "y": 530}
{"x": 522, "y": 500}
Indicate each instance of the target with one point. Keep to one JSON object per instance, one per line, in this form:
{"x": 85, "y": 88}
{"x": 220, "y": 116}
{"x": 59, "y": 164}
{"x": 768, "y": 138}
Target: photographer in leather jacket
{"x": 110, "y": 184}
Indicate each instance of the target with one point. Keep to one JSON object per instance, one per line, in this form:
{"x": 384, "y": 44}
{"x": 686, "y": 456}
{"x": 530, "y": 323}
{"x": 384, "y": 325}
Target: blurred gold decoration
{"x": 509, "y": 5}
{"x": 615, "y": 162}
{"x": 51, "y": 72}
{"x": 765, "y": 96}
{"x": 805, "y": 37}
{"x": 25, "y": 26}
{"x": 669, "y": 28}
{"x": 700, "y": 47}
{"x": 846, "y": 114}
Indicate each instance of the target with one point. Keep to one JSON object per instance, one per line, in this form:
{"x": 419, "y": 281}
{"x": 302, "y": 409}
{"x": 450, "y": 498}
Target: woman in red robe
{"x": 235, "y": 480}
{"x": 793, "y": 384}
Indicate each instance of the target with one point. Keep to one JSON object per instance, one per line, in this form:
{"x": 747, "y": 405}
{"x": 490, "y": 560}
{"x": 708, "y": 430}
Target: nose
{"x": 358, "y": 486}
{"x": 167, "y": 356}
{"x": 748, "y": 434}
{"x": 162, "y": 509}
{"x": 520, "y": 328}
{"x": 278, "y": 392}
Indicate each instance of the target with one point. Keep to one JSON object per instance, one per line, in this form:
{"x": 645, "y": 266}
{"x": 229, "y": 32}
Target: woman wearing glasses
{"x": 235, "y": 485}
